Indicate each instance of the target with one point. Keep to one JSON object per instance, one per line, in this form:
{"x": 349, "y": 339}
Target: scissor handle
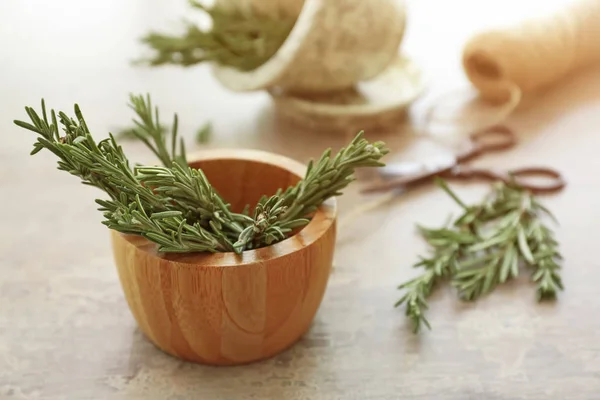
{"x": 494, "y": 138}
{"x": 521, "y": 176}
{"x": 555, "y": 181}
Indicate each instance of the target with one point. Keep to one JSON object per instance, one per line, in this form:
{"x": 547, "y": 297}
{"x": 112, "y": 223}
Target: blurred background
{"x": 65, "y": 331}
{"x": 81, "y": 52}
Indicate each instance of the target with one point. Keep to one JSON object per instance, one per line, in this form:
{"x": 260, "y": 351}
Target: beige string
{"x": 363, "y": 208}
{"x": 536, "y": 53}
{"x": 504, "y": 65}
{"x": 479, "y": 115}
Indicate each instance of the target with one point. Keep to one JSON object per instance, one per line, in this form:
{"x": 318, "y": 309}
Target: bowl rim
{"x": 268, "y": 73}
{"x": 402, "y": 65}
{"x": 322, "y": 222}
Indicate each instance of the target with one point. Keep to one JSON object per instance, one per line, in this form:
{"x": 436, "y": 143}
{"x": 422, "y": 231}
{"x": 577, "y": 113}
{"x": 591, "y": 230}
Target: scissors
{"x": 496, "y": 138}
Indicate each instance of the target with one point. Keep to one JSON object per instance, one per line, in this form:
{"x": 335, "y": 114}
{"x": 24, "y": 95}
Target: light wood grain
{"x": 333, "y": 45}
{"x": 224, "y": 308}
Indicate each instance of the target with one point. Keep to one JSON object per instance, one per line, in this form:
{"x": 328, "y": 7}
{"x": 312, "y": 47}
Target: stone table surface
{"x": 66, "y": 331}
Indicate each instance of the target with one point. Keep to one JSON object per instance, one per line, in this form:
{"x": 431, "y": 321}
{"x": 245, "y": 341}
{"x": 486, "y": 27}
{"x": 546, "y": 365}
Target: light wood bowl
{"x": 333, "y": 45}
{"x": 223, "y": 308}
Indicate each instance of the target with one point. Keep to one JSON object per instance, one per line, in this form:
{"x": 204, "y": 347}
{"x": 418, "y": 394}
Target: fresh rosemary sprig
{"x": 150, "y": 131}
{"x": 275, "y": 216}
{"x": 445, "y": 245}
{"x": 169, "y": 229}
{"x": 484, "y": 247}
{"x": 190, "y": 191}
{"x": 153, "y": 134}
{"x": 174, "y": 205}
{"x": 132, "y": 206}
{"x": 240, "y": 40}
{"x": 265, "y": 227}
{"x": 287, "y": 210}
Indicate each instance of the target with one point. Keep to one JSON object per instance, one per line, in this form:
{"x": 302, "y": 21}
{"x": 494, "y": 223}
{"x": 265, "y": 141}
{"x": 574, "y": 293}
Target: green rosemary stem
{"x": 415, "y": 297}
{"x": 447, "y": 247}
{"x": 132, "y": 205}
{"x": 289, "y": 210}
{"x": 153, "y": 134}
{"x": 190, "y": 190}
{"x": 328, "y": 176}
{"x": 168, "y": 229}
{"x": 240, "y": 40}
{"x": 442, "y": 184}
{"x": 265, "y": 227}
{"x": 543, "y": 257}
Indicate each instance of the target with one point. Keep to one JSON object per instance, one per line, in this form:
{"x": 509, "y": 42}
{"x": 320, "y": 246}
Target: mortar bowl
{"x": 333, "y": 45}
{"x": 225, "y": 308}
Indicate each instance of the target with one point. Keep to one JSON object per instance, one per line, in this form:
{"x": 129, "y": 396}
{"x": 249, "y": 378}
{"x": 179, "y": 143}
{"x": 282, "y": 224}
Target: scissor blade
{"x": 410, "y": 169}
{"x": 395, "y": 170}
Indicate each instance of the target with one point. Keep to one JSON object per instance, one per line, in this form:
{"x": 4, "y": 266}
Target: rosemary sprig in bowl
{"x": 286, "y": 46}
{"x": 175, "y": 205}
{"x": 237, "y": 39}
{"x": 486, "y": 246}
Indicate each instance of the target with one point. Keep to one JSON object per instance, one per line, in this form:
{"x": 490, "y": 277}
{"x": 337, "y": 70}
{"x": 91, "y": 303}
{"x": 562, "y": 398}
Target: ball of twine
{"x": 506, "y": 65}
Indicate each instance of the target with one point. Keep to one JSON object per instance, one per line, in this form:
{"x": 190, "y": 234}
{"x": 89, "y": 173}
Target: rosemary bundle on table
{"x": 175, "y": 205}
{"x": 237, "y": 39}
{"x": 484, "y": 247}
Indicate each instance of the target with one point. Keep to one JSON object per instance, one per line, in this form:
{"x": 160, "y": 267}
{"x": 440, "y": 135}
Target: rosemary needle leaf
{"x": 204, "y": 133}
{"x": 524, "y": 247}
{"x": 165, "y": 214}
{"x": 28, "y": 126}
{"x": 507, "y": 263}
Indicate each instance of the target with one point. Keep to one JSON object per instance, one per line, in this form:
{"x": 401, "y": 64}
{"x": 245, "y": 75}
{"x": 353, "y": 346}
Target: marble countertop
{"x": 66, "y": 331}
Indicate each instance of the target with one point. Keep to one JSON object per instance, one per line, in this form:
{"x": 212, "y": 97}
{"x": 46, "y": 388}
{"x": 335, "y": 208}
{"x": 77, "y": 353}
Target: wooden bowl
{"x": 224, "y": 308}
{"x": 333, "y": 45}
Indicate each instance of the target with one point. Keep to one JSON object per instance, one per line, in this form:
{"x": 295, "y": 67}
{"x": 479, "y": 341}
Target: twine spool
{"x": 505, "y": 65}
{"x": 534, "y": 54}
